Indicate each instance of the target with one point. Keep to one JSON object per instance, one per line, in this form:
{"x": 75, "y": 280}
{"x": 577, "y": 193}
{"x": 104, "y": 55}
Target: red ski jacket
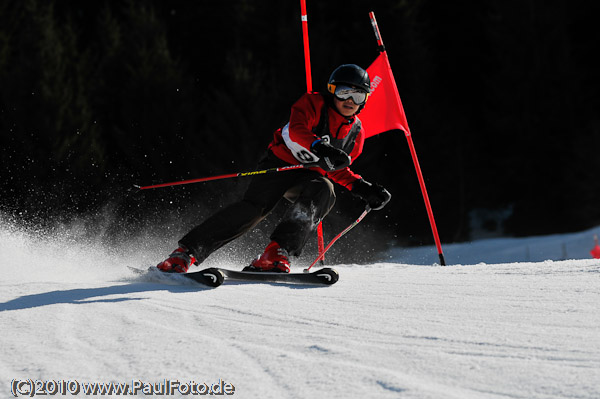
{"x": 312, "y": 119}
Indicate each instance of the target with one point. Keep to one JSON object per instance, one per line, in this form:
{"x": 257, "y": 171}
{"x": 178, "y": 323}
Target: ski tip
{"x": 328, "y": 275}
{"x": 214, "y": 276}
{"x": 211, "y": 277}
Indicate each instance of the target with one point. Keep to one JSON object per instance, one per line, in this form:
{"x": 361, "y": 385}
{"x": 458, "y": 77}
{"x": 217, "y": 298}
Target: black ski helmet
{"x": 349, "y": 74}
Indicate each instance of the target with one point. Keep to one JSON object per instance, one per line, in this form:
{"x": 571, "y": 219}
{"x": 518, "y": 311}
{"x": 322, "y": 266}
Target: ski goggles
{"x": 343, "y": 93}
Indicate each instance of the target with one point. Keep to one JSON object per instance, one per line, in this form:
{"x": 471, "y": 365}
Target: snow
{"x": 499, "y": 325}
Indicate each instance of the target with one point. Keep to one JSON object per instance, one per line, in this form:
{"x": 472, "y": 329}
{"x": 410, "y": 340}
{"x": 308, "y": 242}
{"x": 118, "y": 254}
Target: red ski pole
{"x": 347, "y": 229}
{"x": 227, "y": 176}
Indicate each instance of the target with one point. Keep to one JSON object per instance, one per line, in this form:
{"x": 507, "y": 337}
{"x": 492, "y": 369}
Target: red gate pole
{"x": 304, "y": 19}
{"x": 413, "y": 154}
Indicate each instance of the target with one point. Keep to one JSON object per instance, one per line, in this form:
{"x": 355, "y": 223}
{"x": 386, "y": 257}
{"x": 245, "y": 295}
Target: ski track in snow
{"x": 74, "y": 311}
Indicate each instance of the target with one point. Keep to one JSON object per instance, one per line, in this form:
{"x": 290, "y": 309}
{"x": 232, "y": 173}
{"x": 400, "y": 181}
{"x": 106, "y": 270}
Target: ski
{"x": 214, "y": 277}
{"x": 211, "y": 277}
{"x": 325, "y": 276}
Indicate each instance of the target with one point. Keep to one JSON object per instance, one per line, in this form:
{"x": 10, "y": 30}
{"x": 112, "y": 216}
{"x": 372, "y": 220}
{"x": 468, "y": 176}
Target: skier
{"x": 323, "y": 129}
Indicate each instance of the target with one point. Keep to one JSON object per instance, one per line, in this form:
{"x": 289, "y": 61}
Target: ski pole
{"x": 230, "y": 175}
{"x": 347, "y": 229}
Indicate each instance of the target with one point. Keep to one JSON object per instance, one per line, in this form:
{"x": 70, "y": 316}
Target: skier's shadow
{"x": 92, "y": 295}
{"x": 80, "y": 296}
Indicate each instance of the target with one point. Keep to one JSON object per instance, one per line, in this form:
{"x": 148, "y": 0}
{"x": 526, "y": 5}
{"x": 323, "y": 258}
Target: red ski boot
{"x": 274, "y": 259}
{"x": 178, "y": 262}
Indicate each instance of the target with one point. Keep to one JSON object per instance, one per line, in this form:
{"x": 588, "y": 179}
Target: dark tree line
{"x": 501, "y": 96}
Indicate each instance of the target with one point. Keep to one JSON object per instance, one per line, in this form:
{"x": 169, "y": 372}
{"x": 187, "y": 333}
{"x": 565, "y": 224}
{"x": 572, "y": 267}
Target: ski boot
{"x": 178, "y": 262}
{"x": 274, "y": 259}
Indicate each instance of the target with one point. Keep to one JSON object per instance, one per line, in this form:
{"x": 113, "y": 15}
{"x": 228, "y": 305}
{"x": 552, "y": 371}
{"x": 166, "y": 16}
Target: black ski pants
{"x": 311, "y": 193}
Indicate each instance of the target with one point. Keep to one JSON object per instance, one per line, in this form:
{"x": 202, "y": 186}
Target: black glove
{"x": 373, "y": 194}
{"x": 330, "y": 158}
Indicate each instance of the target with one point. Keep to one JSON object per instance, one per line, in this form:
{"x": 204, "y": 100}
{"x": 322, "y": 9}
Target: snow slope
{"x": 71, "y": 310}
{"x": 506, "y": 250}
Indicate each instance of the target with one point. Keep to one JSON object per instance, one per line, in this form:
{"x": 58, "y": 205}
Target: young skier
{"x": 323, "y": 129}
